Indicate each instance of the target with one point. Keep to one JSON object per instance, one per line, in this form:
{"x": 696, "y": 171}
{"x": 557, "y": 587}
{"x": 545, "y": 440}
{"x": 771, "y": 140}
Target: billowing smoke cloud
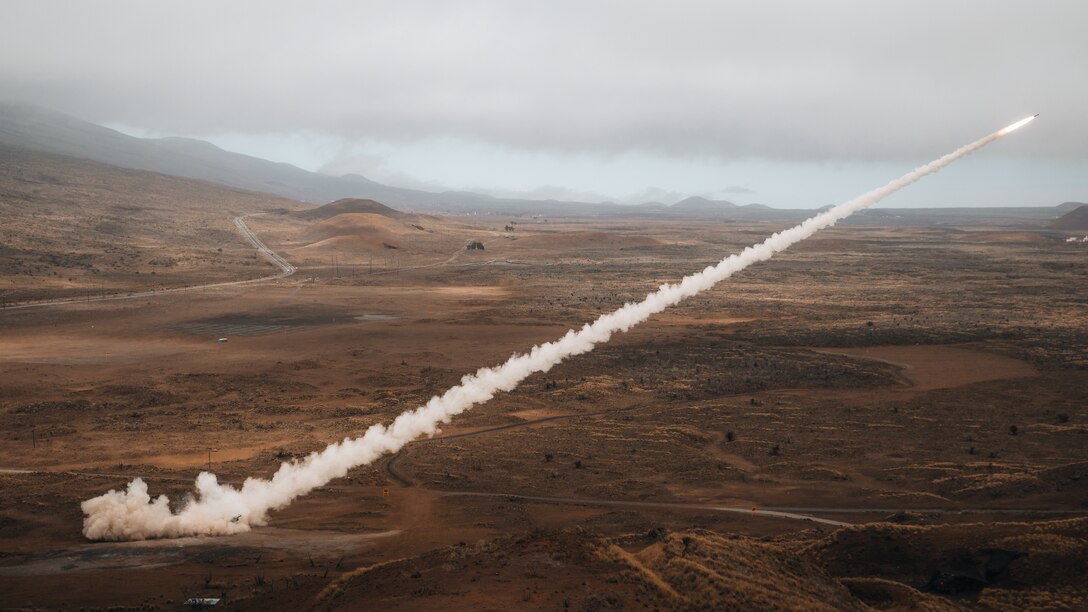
{"x": 217, "y": 509}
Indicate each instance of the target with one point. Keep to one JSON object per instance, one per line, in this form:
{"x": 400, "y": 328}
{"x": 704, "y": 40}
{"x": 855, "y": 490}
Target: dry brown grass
{"x": 712, "y": 571}
{"x": 890, "y": 595}
{"x": 336, "y": 587}
{"x": 1048, "y": 557}
{"x": 103, "y": 388}
{"x": 73, "y": 227}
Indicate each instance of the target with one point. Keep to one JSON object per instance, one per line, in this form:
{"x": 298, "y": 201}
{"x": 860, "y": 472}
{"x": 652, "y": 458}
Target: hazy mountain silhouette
{"x": 48, "y": 131}
{"x": 37, "y": 129}
{"x": 1075, "y": 219}
{"x": 1068, "y": 206}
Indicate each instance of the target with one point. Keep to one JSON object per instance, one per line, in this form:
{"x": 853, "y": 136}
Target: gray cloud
{"x": 830, "y": 80}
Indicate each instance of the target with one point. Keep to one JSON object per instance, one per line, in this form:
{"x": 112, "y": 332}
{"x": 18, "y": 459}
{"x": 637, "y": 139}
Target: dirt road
{"x": 239, "y": 222}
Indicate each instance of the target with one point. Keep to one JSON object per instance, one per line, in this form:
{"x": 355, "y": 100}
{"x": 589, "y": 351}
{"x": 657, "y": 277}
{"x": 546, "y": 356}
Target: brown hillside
{"x": 349, "y": 206}
{"x": 350, "y": 224}
{"x": 73, "y": 227}
{"x": 1074, "y": 220}
{"x": 576, "y": 570}
{"x": 1004, "y": 565}
{"x": 889, "y": 566}
{"x": 356, "y": 232}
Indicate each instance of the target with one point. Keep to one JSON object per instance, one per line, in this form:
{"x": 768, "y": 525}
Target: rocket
{"x": 1018, "y": 124}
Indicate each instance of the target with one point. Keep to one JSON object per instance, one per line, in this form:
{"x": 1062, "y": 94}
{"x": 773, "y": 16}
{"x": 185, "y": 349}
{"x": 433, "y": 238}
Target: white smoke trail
{"x": 217, "y": 509}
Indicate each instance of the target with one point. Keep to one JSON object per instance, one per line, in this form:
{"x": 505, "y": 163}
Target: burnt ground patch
{"x": 700, "y": 366}
{"x": 273, "y": 320}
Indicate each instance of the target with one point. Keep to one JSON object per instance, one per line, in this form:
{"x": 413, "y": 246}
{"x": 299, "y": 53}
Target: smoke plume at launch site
{"x": 218, "y": 509}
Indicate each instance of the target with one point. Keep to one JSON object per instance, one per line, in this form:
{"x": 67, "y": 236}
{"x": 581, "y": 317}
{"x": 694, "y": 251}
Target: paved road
{"x": 240, "y": 223}
{"x": 286, "y": 270}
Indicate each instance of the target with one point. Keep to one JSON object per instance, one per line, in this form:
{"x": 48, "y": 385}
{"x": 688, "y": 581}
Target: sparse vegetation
{"x": 105, "y": 230}
{"x": 654, "y": 417}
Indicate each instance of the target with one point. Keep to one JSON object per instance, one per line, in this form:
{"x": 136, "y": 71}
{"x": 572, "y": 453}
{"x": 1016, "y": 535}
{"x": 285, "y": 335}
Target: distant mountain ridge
{"x": 701, "y": 203}
{"x": 37, "y": 129}
{"x": 48, "y": 131}
{"x": 52, "y": 132}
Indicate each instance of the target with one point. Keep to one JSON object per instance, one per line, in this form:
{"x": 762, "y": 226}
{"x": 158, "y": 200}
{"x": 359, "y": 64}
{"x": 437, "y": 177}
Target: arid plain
{"x": 890, "y": 417}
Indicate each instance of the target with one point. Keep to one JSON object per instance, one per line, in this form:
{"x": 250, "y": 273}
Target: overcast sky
{"x": 793, "y": 104}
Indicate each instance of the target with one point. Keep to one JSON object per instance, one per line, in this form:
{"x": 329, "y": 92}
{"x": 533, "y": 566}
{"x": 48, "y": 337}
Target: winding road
{"x": 388, "y": 466}
{"x": 577, "y": 501}
{"x": 286, "y": 269}
{"x": 239, "y": 222}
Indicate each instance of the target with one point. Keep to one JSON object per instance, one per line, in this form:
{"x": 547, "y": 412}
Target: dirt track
{"x": 239, "y": 222}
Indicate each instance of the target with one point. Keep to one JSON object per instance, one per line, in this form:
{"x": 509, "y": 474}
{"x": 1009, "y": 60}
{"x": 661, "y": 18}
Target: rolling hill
{"x": 73, "y": 227}
{"x": 37, "y": 129}
{"x": 1074, "y": 220}
{"x": 349, "y": 206}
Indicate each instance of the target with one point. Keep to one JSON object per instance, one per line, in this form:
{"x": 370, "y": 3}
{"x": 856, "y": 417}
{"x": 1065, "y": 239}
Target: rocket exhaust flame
{"x": 1017, "y": 125}
{"x": 217, "y": 509}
